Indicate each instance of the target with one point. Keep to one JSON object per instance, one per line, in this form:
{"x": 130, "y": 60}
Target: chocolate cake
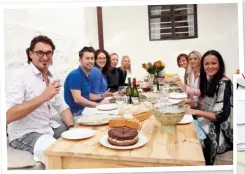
{"x": 123, "y": 136}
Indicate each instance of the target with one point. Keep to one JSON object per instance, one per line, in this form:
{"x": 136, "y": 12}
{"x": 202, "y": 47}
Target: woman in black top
{"x": 213, "y": 110}
{"x": 123, "y": 70}
{"x": 113, "y": 75}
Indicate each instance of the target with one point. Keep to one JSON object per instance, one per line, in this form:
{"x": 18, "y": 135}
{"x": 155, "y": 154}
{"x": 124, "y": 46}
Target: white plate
{"x": 174, "y": 101}
{"x": 141, "y": 141}
{"x": 186, "y": 119}
{"x": 94, "y": 119}
{"x": 176, "y": 95}
{"x": 78, "y": 133}
{"x": 107, "y": 107}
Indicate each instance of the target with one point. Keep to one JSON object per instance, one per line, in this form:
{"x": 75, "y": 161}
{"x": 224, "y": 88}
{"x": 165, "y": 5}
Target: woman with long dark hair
{"x": 213, "y": 110}
{"x": 97, "y": 75}
{"x": 113, "y": 75}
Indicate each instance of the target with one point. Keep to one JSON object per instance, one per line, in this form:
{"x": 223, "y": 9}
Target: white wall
{"x": 66, "y": 27}
{"x": 126, "y": 31}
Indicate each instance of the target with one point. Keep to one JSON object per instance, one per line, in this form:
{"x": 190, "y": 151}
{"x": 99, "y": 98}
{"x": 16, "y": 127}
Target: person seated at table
{"x": 182, "y": 61}
{"x": 192, "y": 86}
{"x": 113, "y": 75}
{"x": 98, "y": 73}
{"x": 214, "y": 108}
{"x": 29, "y": 100}
{"x": 77, "y": 91}
{"x": 124, "y": 70}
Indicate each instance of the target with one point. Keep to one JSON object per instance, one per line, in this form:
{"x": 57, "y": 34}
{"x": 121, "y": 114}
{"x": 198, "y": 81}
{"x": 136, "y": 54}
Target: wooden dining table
{"x": 182, "y": 148}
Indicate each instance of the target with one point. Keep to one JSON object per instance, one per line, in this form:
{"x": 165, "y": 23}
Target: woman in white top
{"x": 194, "y": 68}
{"x": 193, "y": 71}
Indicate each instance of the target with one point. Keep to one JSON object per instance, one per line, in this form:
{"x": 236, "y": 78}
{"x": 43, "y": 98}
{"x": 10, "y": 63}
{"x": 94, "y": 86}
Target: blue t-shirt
{"x": 77, "y": 80}
{"x": 98, "y": 81}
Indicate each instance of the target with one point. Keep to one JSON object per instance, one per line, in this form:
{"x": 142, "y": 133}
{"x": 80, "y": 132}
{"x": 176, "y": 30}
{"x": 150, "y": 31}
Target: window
{"x": 171, "y": 22}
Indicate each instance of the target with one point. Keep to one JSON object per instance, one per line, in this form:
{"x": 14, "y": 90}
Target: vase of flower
{"x": 155, "y": 69}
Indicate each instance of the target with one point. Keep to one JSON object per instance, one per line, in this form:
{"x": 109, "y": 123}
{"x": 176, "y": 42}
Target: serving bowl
{"x": 168, "y": 114}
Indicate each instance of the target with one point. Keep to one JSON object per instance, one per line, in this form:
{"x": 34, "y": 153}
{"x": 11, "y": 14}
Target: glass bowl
{"x": 168, "y": 114}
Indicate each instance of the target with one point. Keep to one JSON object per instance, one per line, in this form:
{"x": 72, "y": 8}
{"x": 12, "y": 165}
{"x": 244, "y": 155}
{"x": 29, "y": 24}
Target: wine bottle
{"x": 156, "y": 82}
{"x": 129, "y": 91}
{"x": 135, "y": 93}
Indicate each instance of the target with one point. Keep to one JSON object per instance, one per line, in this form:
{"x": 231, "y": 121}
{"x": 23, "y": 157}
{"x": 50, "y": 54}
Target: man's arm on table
{"x": 78, "y": 99}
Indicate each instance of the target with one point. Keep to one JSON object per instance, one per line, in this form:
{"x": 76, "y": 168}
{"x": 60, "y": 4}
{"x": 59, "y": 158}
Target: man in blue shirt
{"x": 77, "y": 86}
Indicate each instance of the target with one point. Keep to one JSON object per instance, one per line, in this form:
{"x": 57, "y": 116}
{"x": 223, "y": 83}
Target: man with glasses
{"x": 30, "y": 98}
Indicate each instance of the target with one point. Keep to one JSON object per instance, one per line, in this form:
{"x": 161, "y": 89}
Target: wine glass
{"x": 121, "y": 99}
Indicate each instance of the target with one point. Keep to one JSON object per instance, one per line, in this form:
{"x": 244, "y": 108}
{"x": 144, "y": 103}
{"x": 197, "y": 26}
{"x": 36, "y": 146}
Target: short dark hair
{"x": 209, "y": 88}
{"x": 86, "y": 49}
{"x": 107, "y": 68}
{"x": 34, "y": 41}
{"x": 182, "y": 55}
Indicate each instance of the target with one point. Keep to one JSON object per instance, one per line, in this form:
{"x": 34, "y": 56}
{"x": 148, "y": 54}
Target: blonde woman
{"x": 192, "y": 87}
{"x": 124, "y": 69}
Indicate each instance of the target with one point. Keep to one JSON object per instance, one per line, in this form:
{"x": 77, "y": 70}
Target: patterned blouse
{"x": 219, "y": 131}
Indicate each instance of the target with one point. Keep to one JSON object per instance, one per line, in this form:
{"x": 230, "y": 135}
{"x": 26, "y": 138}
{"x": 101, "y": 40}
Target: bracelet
{"x": 198, "y": 105}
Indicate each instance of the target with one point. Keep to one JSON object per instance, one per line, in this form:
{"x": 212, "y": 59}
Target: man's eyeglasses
{"x": 40, "y": 54}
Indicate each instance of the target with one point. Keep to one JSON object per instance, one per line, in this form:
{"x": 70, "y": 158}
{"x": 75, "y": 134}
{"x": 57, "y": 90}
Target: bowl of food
{"x": 171, "y": 79}
{"x": 168, "y": 114}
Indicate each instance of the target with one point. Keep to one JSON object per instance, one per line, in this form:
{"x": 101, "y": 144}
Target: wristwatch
{"x": 71, "y": 126}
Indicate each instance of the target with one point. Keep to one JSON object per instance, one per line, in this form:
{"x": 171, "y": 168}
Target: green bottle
{"x": 156, "y": 81}
{"x": 135, "y": 93}
{"x": 129, "y": 91}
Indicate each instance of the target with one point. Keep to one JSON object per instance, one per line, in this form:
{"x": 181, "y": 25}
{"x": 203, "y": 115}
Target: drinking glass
{"x": 121, "y": 99}
{"x": 164, "y": 93}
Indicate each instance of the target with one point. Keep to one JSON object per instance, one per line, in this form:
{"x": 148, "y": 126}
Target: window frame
{"x": 172, "y": 16}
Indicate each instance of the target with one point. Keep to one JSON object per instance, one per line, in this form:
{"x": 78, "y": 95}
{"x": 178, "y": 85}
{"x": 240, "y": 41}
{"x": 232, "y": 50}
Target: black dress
{"x": 122, "y": 76}
{"x": 113, "y": 80}
{"x": 220, "y": 134}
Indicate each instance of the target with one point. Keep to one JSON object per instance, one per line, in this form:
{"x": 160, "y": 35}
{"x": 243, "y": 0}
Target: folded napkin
{"x": 41, "y": 145}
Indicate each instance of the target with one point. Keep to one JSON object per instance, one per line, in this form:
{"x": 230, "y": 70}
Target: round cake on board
{"x": 122, "y": 136}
